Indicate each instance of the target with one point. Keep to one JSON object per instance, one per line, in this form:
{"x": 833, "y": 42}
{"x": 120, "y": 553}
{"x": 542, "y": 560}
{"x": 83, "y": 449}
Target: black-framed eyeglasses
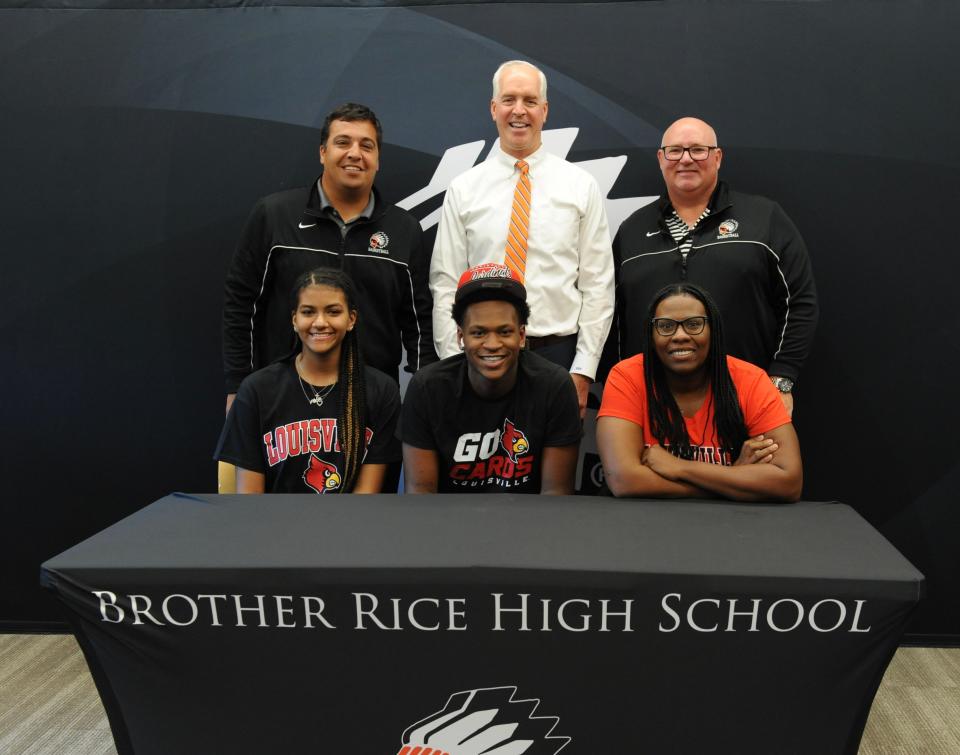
{"x": 697, "y": 151}
{"x": 693, "y": 326}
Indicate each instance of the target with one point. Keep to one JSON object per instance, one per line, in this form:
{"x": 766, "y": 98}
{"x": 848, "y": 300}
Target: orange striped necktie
{"x": 515, "y": 255}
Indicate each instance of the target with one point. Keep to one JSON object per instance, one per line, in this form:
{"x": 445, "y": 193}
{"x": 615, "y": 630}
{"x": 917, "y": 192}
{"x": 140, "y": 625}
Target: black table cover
{"x": 498, "y": 625}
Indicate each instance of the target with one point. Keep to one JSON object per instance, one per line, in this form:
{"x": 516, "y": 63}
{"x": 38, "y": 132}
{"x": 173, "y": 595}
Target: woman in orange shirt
{"x": 685, "y": 420}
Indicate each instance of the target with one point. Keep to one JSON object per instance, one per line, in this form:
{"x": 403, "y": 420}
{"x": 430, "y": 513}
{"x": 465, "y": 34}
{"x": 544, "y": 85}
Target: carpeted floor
{"x": 917, "y": 709}
{"x": 49, "y": 705}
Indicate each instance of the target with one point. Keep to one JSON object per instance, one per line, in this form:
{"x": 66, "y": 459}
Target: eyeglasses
{"x": 697, "y": 151}
{"x": 692, "y": 326}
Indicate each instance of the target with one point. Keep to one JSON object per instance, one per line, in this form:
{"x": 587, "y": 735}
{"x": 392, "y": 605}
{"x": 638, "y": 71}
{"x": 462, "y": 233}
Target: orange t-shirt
{"x": 625, "y": 397}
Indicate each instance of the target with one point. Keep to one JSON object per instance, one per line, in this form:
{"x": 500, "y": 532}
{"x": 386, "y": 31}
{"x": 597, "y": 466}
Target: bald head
{"x": 690, "y": 182}
{"x": 699, "y": 132}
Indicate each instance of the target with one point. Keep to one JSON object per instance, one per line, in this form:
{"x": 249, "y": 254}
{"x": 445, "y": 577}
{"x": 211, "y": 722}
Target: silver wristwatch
{"x": 782, "y": 384}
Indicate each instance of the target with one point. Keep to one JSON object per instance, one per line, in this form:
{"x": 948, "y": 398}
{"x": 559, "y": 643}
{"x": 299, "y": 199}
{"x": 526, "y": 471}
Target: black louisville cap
{"x": 489, "y": 276}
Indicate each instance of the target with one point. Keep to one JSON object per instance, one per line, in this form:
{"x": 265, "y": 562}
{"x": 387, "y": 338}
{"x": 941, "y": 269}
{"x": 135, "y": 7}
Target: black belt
{"x": 541, "y": 342}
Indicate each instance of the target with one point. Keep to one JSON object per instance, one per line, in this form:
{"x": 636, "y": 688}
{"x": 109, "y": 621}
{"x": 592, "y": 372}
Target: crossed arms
{"x": 768, "y": 467}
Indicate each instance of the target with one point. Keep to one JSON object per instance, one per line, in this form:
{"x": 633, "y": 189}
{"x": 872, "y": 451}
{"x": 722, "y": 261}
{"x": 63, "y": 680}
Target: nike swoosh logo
{"x": 649, "y": 233}
{"x": 310, "y": 225}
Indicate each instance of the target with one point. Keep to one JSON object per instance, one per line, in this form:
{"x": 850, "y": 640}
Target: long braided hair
{"x": 352, "y": 417}
{"x": 666, "y": 419}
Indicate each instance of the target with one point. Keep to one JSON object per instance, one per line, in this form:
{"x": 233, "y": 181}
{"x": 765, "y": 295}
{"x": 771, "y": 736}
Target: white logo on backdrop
{"x": 461, "y": 158}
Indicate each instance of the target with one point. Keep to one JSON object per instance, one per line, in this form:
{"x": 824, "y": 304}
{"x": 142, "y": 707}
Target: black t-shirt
{"x": 272, "y": 429}
{"x": 490, "y": 445}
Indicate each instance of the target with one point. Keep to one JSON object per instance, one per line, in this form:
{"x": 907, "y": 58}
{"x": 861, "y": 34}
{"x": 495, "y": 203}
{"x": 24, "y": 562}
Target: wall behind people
{"x": 135, "y": 142}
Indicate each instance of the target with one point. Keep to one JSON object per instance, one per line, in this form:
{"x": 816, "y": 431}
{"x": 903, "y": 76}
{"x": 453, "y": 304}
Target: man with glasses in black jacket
{"x": 742, "y": 248}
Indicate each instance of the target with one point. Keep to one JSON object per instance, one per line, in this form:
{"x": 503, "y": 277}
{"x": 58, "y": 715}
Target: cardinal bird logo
{"x": 514, "y": 442}
{"x": 486, "y": 721}
{"x": 322, "y": 476}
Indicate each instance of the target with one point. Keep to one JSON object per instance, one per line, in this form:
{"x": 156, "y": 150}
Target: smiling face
{"x": 350, "y": 158}
{"x": 682, "y": 353}
{"x": 322, "y": 319}
{"x": 687, "y": 178}
{"x": 492, "y": 338}
{"x": 519, "y": 110}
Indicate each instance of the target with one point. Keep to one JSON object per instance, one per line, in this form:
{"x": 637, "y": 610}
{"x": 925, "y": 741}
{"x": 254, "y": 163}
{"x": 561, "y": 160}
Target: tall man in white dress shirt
{"x": 551, "y": 215}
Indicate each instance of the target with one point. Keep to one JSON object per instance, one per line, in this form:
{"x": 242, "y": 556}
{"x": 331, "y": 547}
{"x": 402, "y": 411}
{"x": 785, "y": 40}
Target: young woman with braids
{"x": 684, "y": 420}
{"x": 319, "y": 420}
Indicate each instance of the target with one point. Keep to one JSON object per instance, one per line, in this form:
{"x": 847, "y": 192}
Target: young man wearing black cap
{"x": 496, "y": 418}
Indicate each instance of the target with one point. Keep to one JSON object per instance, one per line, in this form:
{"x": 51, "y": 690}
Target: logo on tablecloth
{"x": 487, "y": 721}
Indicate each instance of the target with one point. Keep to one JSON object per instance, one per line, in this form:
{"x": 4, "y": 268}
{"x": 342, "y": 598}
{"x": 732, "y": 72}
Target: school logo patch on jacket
{"x": 378, "y": 243}
{"x": 322, "y": 476}
{"x": 728, "y": 230}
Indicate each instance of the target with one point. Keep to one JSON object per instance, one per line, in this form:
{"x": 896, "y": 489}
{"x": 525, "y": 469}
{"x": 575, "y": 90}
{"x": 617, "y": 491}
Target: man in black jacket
{"x": 742, "y": 248}
{"x": 341, "y": 221}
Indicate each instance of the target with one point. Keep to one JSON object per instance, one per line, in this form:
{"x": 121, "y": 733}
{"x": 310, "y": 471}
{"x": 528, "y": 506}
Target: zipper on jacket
{"x": 683, "y": 258}
{"x": 344, "y": 232}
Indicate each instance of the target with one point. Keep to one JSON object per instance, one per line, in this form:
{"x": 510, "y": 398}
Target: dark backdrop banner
{"x": 134, "y": 141}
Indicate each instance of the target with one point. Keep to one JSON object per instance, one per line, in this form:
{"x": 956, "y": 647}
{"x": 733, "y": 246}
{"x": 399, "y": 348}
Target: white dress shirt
{"x": 569, "y": 270}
